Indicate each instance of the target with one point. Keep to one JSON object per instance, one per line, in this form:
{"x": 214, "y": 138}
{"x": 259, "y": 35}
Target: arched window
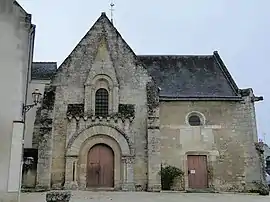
{"x": 194, "y": 120}
{"x": 102, "y": 102}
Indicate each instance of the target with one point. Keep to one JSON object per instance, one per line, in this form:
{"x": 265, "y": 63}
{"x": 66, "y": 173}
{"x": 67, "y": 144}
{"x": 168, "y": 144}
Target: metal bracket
{"x": 26, "y": 108}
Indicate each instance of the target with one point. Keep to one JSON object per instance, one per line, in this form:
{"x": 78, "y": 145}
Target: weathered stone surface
{"x": 58, "y": 196}
{"x": 43, "y": 134}
{"x": 142, "y": 130}
{"x": 227, "y": 139}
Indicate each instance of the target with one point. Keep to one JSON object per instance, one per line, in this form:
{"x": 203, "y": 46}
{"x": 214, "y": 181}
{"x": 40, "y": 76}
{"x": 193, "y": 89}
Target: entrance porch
{"x": 96, "y": 160}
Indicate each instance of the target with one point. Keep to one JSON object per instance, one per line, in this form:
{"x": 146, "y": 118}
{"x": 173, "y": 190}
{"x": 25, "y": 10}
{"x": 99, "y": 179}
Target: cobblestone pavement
{"x": 83, "y": 196}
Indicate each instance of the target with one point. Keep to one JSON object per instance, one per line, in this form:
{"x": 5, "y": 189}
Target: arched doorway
{"x": 100, "y": 166}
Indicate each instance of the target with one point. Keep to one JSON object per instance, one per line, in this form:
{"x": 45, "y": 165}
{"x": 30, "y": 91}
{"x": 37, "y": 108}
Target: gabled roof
{"x": 191, "y": 77}
{"x": 98, "y": 29}
{"x": 43, "y": 70}
{"x": 180, "y": 77}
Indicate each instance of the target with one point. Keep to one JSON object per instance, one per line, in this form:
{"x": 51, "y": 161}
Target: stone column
{"x": 154, "y": 159}
{"x": 128, "y": 172}
{"x": 71, "y": 173}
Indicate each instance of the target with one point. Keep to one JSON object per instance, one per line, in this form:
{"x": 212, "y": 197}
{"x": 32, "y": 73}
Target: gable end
{"x": 103, "y": 27}
{"x": 226, "y": 72}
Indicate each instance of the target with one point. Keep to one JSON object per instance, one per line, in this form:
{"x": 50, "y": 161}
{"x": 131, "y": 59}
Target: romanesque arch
{"x": 119, "y": 136}
{"x": 81, "y": 143}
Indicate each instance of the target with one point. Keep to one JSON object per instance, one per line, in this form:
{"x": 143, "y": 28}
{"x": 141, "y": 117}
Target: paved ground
{"x": 84, "y": 196}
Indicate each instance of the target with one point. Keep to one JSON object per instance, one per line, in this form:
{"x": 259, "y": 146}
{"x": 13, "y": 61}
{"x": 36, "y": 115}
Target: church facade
{"x": 111, "y": 119}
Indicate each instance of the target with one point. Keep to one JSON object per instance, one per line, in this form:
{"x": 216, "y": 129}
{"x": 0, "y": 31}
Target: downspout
{"x": 30, "y": 57}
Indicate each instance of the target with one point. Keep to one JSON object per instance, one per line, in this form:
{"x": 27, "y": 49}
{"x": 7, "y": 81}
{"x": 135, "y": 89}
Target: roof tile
{"x": 43, "y": 70}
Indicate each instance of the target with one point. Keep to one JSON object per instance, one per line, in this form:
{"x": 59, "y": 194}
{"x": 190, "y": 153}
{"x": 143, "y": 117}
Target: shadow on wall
{"x": 29, "y": 168}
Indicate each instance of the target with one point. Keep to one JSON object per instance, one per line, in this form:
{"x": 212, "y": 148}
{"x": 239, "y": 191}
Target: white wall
{"x": 14, "y": 60}
{"x": 31, "y": 115}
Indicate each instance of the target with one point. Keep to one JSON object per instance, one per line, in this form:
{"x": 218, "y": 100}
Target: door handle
{"x": 188, "y": 172}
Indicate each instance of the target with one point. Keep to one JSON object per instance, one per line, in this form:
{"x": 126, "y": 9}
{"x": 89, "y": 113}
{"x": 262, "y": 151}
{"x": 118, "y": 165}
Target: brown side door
{"x": 100, "y": 168}
{"x": 197, "y": 172}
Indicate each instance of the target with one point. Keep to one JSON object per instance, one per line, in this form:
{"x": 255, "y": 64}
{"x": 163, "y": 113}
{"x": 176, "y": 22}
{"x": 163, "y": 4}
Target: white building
{"x": 16, "y": 53}
{"x": 41, "y": 73}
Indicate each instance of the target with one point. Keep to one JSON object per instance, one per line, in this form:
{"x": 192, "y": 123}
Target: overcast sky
{"x": 238, "y": 29}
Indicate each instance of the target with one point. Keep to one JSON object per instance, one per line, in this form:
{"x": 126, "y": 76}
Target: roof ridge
{"x": 175, "y": 55}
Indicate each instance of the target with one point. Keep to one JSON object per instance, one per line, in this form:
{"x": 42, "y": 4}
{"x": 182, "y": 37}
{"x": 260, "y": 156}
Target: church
{"x": 111, "y": 119}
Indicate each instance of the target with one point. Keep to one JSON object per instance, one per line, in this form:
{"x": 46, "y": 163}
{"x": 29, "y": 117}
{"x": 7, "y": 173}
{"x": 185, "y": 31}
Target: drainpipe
{"x": 30, "y": 56}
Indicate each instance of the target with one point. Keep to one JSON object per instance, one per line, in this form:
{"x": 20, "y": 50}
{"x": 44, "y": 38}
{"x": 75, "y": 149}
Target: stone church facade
{"x": 110, "y": 119}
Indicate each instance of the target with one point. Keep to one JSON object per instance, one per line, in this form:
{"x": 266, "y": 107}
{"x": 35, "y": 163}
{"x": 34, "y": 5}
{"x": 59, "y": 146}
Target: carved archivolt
{"x": 76, "y": 141}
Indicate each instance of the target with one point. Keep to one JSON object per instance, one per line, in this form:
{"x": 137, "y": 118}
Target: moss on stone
{"x": 75, "y": 110}
{"x": 126, "y": 110}
{"x": 152, "y": 96}
{"x": 49, "y": 97}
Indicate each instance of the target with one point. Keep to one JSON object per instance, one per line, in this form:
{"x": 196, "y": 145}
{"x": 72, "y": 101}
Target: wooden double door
{"x": 197, "y": 171}
{"x": 100, "y": 167}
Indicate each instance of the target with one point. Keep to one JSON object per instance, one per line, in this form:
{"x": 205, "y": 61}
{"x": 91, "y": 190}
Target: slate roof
{"x": 178, "y": 76}
{"x": 43, "y": 70}
{"x": 193, "y": 77}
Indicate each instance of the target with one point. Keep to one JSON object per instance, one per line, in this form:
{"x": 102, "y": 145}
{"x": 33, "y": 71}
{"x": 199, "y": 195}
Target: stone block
{"x": 58, "y": 196}
{"x": 128, "y": 187}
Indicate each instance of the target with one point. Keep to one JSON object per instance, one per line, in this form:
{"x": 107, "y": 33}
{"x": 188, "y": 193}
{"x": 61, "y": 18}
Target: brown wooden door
{"x": 197, "y": 172}
{"x": 100, "y": 168}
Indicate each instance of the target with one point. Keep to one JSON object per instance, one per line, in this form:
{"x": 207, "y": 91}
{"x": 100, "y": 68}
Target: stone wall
{"x": 227, "y": 138}
{"x": 159, "y": 131}
{"x": 101, "y": 47}
{"x": 44, "y": 138}
{"x": 61, "y": 127}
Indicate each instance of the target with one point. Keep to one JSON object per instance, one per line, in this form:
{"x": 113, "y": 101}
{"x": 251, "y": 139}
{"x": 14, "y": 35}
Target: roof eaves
{"x": 201, "y": 98}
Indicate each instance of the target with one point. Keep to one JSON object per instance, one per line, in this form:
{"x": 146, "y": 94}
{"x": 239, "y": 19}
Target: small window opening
{"x": 102, "y": 102}
{"x": 194, "y": 120}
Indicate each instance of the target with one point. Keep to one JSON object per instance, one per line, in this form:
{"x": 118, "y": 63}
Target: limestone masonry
{"x": 111, "y": 119}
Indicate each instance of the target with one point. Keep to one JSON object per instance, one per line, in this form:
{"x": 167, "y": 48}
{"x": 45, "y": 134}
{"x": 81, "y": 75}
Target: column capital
{"x": 128, "y": 159}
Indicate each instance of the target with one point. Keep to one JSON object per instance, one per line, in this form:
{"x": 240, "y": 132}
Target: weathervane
{"x": 112, "y": 5}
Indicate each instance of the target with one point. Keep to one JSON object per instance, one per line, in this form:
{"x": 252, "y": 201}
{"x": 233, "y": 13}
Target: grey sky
{"x": 238, "y": 30}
